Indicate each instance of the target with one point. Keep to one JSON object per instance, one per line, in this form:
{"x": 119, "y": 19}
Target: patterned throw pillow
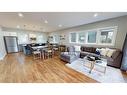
{"x": 98, "y": 51}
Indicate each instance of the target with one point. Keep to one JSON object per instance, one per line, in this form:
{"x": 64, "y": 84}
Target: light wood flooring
{"x": 18, "y": 68}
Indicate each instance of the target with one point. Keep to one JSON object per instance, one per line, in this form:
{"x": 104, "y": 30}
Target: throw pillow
{"x": 104, "y": 51}
{"x": 98, "y": 51}
{"x": 110, "y": 52}
{"x": 77, "y": 48}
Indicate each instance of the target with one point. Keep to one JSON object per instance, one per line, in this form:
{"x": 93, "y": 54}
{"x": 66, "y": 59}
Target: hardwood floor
{"x": 18, "y": 68}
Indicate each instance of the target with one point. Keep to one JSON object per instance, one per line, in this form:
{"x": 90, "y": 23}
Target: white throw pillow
{"x": 110, "y": 52}
{"x": 104, "y": 51}
{"x": 77, "y": 48}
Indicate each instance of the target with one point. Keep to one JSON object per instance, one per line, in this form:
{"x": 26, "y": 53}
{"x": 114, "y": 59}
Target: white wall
{"x": 18, "y": 33}
{"x": 41, "y": 37}
{"x": 23, "y": 35}
{"x": 121, "y": 22}
{"x": 56, "y": 37}
{"x": 2, "y": 46}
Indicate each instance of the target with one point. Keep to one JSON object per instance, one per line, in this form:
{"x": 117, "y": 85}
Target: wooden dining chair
{"x": 36, "y": 54}
{"x": 49, "y": 52}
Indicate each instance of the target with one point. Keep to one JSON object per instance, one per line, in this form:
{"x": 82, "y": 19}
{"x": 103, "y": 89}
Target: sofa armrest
{"x": 116, "y": 54}
{"x": 115, "y": 59}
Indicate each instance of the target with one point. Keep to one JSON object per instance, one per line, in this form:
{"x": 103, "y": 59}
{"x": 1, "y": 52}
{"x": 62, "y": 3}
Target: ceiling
{"x": 37, "y": 21}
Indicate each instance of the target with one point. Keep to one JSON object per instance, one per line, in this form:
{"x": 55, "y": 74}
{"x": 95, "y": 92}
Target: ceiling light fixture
{"x": 20, "y": 14}
{"x": 46, "y": 21}
{"x": 60, "y": 25}
{"x": 96, "y": 14}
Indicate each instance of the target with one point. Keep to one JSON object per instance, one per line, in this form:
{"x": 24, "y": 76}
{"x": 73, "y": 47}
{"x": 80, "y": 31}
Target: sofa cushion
{"x": 69, "y": 56}
{"x": 108, "y": 58}
{"x": 77, "y": 48}
{"x": 88, "y": 53}
{"x": 71, "y": 49}
{"x": 88, "y": 49}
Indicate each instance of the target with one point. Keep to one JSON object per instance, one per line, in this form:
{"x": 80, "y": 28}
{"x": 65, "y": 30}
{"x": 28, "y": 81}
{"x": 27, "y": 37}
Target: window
{"x": 73, "y": 37}
{"x": 107, "y": 35}
{"x": 81, "y": 37}
{"x": 100, "y": 36}
{"x": 91, "y": 37}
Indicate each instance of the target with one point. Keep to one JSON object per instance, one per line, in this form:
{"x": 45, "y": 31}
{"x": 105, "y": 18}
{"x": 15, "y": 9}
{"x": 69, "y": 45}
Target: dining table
{"x": 39, "y": 47}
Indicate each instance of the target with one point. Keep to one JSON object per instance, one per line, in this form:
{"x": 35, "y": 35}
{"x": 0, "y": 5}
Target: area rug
{"x": 112, "y": 75}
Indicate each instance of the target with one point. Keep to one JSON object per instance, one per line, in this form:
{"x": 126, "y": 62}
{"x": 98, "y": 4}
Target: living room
{"x": 61, "y": 47}
{"x": 89, "y": 45}
{"x": 87, "y": 37}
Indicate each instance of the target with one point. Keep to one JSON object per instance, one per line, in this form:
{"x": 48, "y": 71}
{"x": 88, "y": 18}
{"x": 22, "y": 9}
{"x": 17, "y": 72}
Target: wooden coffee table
{"x": 102, "y": 63}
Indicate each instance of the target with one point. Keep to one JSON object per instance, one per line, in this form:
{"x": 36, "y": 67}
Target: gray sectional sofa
{"x": 71, "y": 55}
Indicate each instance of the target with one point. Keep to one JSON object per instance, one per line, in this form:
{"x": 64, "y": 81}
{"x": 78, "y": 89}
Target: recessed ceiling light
{"x": 20, "y": 14}
{"x": 46, "y": 21}
{"x": 60, "y": 25}
{"x": 18, "y": 26}
{"x": 96, "y": 14}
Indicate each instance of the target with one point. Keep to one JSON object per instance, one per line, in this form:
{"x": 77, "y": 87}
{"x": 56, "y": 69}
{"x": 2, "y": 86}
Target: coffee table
{"x": 102, "y": 63}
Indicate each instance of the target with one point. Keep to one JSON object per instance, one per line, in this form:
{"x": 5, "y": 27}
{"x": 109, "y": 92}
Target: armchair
{"x": 71, "y": 55}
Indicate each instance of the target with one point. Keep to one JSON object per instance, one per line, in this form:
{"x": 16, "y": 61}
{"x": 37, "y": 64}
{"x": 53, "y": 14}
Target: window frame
{"x": 98, "y": 35}
{"x": 114, "y": 35}
{"x": 70, "y": 37}
{"x": 87, "y": 36}
{"x": 78, "y": 37}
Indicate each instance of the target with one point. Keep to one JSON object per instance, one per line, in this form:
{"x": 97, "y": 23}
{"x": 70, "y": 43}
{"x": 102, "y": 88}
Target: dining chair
{"x": 55, "y": 49}
{"x": 48, "y": 52}
{"x": 43, "y": 53}
{"x": 36, "y": 54}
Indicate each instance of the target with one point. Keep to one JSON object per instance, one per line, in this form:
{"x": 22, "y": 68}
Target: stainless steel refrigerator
{"x": 11, "y": 44}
